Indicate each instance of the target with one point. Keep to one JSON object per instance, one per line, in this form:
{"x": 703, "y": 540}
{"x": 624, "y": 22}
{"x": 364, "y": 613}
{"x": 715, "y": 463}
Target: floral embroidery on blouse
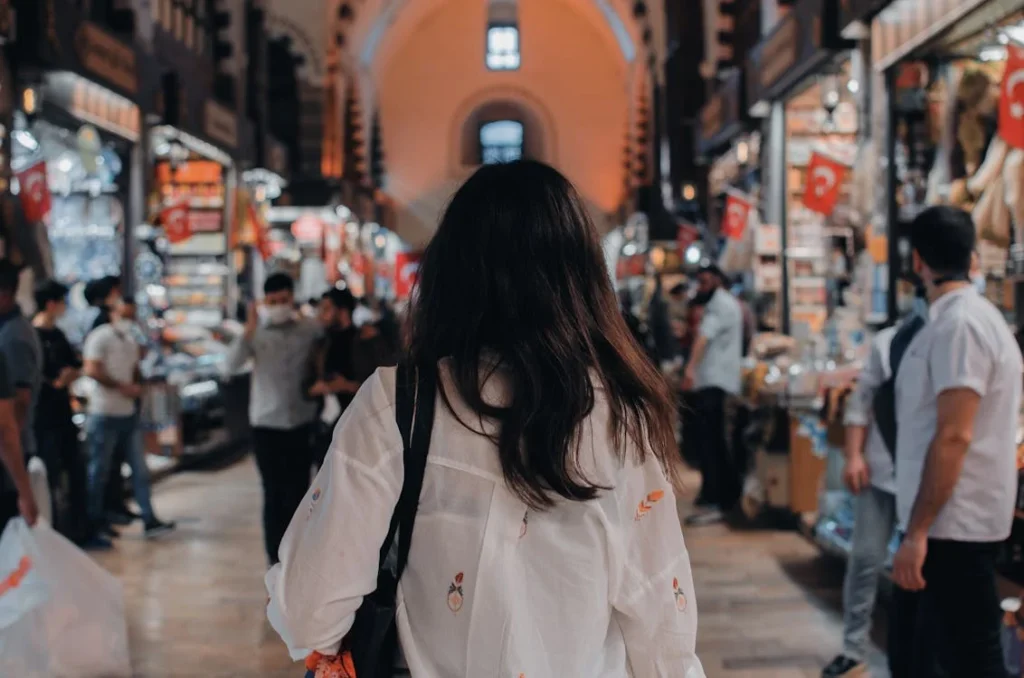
{"x": 526, "y": 522}
{"x": 455, "y": 597}
{"x": 312, "y": 502}
{"x": 680, "y": 596}
{"x": 647, "y": 503}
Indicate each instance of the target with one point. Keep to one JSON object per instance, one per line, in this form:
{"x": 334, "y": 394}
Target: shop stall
{"x": 76, "y": 164}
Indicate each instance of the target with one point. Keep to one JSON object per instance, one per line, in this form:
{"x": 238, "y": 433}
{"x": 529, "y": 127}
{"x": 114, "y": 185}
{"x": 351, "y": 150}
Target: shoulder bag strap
{"x": 415, "y": 394}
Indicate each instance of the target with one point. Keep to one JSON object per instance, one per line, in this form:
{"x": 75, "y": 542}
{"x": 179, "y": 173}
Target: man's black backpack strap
{"x": 373, "y": 640}
{"x": 883, "y": 405}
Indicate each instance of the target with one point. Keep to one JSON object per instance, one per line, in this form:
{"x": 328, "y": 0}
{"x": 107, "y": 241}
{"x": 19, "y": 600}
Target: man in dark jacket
{"x": 347, "y": 356}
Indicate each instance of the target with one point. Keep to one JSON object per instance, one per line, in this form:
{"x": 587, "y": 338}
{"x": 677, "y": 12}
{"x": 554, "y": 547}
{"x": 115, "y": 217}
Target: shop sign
{"x": 175, "y": 220}
{"x": 824, "y": 183}
{"x": 722, "y": 117}
{"x": 736, "y": 215}
{"x": 1011, "y": 99}
{"x": 221, "y": 125}
{"x": 191, "y": 172}
{"x": 205, "y": 221}
{"x": 34, "y": 192}
{"x": 801, "y": 43}
{"x": 779, "y": 54}
{"x": 107, "y": 57}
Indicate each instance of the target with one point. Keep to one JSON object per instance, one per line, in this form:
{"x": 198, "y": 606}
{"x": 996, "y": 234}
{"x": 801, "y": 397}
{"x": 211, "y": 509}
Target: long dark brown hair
{"x": 515, "y": 276}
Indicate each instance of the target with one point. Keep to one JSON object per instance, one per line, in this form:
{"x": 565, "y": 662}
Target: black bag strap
{"x": 901, "y": 342}
{"x": 415, "y": 396}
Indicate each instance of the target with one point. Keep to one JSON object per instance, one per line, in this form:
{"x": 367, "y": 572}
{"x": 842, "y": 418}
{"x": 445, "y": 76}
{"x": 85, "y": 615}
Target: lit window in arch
{"x": 501, "y": 141}
{"x": 503, "y": 48}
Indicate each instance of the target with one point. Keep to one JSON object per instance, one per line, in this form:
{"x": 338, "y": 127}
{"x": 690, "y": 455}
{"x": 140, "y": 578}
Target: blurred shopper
{"x": 346, "y": 357}
{"x": 713, "y": 374}
{"x": 56, "y": 433}
{"x": 547, "y": 517}
{"x": 958, "y": 396}
{"x": 20, "y": 348}
{"x": 105, "y": 294}
{"x": 19, "y": 384}
{"x": 869, "y": 474}
{"x": 280, "y": 412}
{"x": 111, "y": 355}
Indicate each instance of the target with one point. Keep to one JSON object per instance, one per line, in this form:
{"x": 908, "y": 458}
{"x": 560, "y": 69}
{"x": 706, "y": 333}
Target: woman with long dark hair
{"x": 547, "y": 543}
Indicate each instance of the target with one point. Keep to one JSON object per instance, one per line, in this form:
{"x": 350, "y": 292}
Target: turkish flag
{"x": 824, "y": 183}
{"x": 35, "y": 193}
{"x": 1011, "y": 99}
{"x": 737, "y": 211}
{"x": 407, "y": 266}
{"x": 176, "y": 223}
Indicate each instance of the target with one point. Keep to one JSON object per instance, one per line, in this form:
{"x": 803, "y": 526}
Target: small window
{"x": 501, "y": 141}
{"x": 503, "y": 48}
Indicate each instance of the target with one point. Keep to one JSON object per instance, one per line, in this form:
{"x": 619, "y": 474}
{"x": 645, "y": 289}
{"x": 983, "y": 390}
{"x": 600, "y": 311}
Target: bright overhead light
{"x": 853, "y": 86}
{"x": 692, "y": 254}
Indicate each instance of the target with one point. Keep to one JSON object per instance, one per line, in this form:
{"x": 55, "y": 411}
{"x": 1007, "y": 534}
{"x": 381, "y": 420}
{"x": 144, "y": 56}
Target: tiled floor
{"x": 769, "y": 604}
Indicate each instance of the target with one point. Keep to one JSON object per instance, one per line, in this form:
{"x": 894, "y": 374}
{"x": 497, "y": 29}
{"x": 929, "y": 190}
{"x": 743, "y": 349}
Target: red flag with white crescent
{"x": 407, "y": 265}
{"x": 174, "y": 219}
{"x": 35, "y": 193}
{"x": 1011, "y": 99}
{"x": 737, "y": 212}
{"x": 824, "y": 183}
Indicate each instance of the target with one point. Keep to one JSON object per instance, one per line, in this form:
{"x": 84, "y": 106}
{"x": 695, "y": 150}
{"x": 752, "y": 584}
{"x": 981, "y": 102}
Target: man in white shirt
{"x": 958, "y": 397}
{"x": 111, "y": 356}
{"x": 713, "y": 373}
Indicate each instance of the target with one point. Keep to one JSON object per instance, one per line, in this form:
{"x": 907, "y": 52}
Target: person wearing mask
{"x": 958, "y": 396}
{"x": 111, "y": 359}
{"x": 547, "y": 541}
{"x": 869, "y": 474}
{"x": 280, "y": 411}
{"x": 713, "y": 373}
{"x": 56, "y": 433}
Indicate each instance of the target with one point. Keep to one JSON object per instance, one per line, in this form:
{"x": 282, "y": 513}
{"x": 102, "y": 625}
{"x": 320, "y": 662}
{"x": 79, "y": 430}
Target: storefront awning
{"x": 907, "y": 25}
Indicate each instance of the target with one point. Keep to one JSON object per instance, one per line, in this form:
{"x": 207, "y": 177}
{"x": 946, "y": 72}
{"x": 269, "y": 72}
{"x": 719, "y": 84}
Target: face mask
{"x": 277, "y": 314}
{"x": 978, "y": 281}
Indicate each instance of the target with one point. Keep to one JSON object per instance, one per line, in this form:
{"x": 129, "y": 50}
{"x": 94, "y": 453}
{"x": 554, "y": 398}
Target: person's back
{"x": 546, "y": 541}
{"x": 722, "y": 324}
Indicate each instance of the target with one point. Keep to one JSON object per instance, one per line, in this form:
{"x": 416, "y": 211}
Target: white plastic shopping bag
{"x": 61, "y": 614}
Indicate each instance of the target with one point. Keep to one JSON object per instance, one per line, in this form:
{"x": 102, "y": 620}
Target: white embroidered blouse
{"x": 599, "y": 589}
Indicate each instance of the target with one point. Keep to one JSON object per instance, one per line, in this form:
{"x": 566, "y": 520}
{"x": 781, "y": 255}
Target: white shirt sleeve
{"x": 329, "y": 555}
{"x": 95, "y": 345}
{"x": 959, "y": 358}
{"x": 858, "y": 410}
{"x": 653, "y": 597}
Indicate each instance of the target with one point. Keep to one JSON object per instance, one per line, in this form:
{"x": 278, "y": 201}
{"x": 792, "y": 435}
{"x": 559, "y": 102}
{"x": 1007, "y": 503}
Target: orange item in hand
{"x": 337, "y": 666}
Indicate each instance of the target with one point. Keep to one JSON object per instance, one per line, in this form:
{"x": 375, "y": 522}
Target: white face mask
{"x": 979, "y": 283}
{"x": 278, "y": 314}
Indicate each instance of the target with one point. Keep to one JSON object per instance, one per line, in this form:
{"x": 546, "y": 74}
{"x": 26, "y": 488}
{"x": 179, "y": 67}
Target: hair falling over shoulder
{"x": 515, "y": 280}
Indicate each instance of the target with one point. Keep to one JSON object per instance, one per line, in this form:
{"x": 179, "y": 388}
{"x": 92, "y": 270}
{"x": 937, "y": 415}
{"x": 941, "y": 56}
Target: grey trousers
{"x": 875, "y": 522}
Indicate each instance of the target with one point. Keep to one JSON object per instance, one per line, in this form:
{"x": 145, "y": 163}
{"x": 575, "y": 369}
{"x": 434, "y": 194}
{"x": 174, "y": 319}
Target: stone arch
{"x": 501, "y": 103}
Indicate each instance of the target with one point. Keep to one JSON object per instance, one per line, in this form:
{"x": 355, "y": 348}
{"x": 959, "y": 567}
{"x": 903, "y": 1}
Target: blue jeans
{"x": 873, "y": 528}
{"x": 104, "y": 435}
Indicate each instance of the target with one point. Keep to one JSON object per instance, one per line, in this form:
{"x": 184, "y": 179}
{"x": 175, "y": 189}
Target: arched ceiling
{"x": 373, "y": 27}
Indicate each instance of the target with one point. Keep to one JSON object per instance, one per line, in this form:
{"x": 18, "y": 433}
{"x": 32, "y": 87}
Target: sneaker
{"x": 710, "y": 516}
{"x": 844, "y": 667}
{"x": 97, "y": 543}
{"x": 156, "y": 528}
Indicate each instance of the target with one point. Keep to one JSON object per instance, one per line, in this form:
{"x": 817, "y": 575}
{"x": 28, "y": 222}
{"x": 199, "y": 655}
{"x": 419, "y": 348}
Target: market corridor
{"x": 768, "y": 602}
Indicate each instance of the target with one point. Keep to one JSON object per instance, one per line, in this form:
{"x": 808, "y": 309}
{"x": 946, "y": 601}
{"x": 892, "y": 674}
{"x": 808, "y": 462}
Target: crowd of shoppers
{"x": 304, "y": 374}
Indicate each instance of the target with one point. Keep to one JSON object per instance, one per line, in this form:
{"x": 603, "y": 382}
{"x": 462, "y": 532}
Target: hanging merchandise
{"x": 35, "y": 194}
{"x": 1011, "y": 101}
{"x": 175, "y": 220}
{"x": 737, "y": 212}
{"x": 824, "y": 183}
{"x": 259, "y": 227}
